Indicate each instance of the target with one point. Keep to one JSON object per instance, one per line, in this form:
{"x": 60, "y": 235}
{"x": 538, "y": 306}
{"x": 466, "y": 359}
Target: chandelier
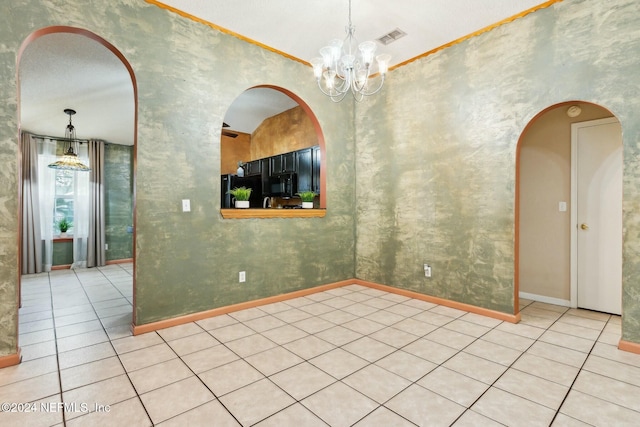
{"x": 346, "y": 66}
{"x": 70, "y": 161}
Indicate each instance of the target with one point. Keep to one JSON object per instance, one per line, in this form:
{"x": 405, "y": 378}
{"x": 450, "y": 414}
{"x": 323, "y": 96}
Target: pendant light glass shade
{"x": 70, "y": 161}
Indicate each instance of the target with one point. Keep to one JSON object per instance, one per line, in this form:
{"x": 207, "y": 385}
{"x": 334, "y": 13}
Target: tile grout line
{"x": 196, "y": 375}
{"x": 104, "y": 329}
{"x": 383, "y": 326}
{"x": 55, "y": 338}
{"x": 580, "y": 371}
{"x": 114, "y": 349}
{"x": 492, "y": 385}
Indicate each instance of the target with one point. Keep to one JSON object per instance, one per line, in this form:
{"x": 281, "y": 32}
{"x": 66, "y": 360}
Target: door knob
{"x": 584, "y": 226}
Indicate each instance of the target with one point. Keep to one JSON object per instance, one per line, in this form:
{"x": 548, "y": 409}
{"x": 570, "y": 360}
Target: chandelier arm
{"x": 378, "y": 89}
{"x": 338, "y": 98}
{"x": 335, "y": 92}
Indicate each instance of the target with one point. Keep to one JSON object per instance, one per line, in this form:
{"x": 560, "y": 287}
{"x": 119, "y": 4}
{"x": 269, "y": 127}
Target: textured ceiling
{"x": 61, "y": 70}
{"x": 300, "y": 28}
{"x": 64, "y": 70}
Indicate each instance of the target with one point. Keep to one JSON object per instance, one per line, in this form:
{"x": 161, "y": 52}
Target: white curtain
{"x": 47, "y": 190}
{"x": 81, "y": 205}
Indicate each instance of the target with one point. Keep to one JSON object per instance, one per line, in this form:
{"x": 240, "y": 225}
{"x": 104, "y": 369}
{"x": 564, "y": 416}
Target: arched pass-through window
{"x": 272, "y": 143}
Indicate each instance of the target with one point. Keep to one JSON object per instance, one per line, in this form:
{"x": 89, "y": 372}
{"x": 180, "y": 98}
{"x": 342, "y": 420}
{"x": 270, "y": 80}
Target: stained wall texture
{"x": 187, "y": 75}
{"x": 118, "y": 171}
{"x": 423, "y": 172}
{"x": 288, "y": 131}
{"x": 436, "y": 152}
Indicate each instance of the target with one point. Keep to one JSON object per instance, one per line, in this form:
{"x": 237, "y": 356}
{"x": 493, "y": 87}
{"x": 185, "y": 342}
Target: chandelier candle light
{"x": 344, "y": 68}
{"x": 70, "y": 161}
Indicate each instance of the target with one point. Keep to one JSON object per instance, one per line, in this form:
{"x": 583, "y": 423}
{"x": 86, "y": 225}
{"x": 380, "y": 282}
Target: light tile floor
{"x": 349, "y": 356}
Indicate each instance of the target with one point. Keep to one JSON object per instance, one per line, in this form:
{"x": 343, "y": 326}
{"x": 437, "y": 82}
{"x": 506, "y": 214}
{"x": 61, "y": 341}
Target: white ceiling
{"x": 253, "y": 106}
{"x": 300, "y": 28}
{"x": 60, "y": 70}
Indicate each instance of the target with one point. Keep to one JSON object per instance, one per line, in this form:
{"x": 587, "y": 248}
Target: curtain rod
{"x": 57, "y": 138}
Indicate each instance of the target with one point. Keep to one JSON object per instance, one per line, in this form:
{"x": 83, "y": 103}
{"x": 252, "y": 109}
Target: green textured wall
{"x": 62, "y": 253}
{"x": 445, "y": 132}
{"x": 187, "y": 76}
{"x": 444, "y": 128}
{"x": 118, "y": 177}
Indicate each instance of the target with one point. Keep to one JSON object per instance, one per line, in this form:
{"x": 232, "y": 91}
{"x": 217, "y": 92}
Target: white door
{"x": 597, "y": 157}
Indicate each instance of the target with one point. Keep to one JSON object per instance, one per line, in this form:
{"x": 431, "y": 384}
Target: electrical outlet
{"x": 427, "y": 270}
{"x": 242, "y": 276}
{"x": 106, "y": 246}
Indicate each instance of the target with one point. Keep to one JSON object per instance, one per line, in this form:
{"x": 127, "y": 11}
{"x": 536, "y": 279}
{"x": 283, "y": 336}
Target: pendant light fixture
{"x": 70, "y": 161}
{"x": 345, "y": 66}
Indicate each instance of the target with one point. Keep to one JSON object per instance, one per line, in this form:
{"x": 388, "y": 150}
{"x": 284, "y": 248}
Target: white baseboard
{"x": 547, "y": 300}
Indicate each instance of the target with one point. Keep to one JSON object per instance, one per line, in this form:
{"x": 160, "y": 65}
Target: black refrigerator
{"x": 233, "y": 181}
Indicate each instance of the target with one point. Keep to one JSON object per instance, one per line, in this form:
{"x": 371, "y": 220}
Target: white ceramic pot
{"x": 307, "y": 205}
{"x": 242, "y": 204}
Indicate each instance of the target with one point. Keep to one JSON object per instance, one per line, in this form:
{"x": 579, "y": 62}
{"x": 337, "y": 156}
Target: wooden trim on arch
{"x": 180, "y": 320}
{"x": 11, "y": 359}
{"x": 629, "y": 346}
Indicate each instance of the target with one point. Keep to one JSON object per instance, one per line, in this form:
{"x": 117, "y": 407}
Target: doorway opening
{"x": 548, "y": 205}
{"x": 63, "y": 67}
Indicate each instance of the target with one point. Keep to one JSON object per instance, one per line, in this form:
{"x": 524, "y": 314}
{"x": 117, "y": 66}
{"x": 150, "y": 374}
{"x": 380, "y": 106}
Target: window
{"x": 63, "y": 199}
{"x": 63, "y": 194}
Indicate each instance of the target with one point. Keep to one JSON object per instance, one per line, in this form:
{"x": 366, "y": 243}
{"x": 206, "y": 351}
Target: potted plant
{"x": 63, "y": 225}
{"x": 307, "y": 199}
{"x": 241, "y": 195}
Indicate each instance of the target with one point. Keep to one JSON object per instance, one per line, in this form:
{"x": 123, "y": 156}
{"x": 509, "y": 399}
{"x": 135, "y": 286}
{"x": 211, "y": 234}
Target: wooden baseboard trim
{"x": 512, "y": 318}
{"x": 60, "y": 267}
{"x": 162, "y": 324}
{"x": 180, "y": 320}
{"x": 10, "y": 360}
{"x": 629, "y": 346}
{"x": 120, "y": 261}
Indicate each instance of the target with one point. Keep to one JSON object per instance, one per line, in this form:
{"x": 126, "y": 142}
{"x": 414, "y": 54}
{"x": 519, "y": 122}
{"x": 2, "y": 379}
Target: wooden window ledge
{"x": 272, "y": 213}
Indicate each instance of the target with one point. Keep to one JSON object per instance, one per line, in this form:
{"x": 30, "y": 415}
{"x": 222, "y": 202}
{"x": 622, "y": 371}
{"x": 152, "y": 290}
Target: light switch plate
{"x": 186, "y": 205}
{"x": 562, "y": 206}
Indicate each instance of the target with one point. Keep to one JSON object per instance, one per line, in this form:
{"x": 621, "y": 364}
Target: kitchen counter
{"x": 272, "y": 213}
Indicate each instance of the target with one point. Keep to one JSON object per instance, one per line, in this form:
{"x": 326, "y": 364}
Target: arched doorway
{"x": 548, "y": 268}
{"x": 82, "y": 71}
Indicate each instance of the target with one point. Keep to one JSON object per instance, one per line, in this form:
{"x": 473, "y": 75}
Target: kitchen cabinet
{"x": 283, "y": 163}
{"x": 315, "y": 169}
{"x": 265, "y": 165}
{"x": 253, "y": 168}
{"x": 304, "y": 170}
{"x": 301, "y": 167}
